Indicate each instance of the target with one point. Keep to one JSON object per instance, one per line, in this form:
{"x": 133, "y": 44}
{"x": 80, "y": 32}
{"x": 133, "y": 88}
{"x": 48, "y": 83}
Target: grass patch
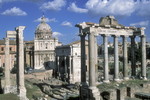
{"x": 9, "y": 96}
{"x": 32, "y": 90}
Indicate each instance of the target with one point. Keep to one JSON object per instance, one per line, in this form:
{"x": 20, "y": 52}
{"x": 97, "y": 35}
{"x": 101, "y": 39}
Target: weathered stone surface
{"x": 109, "y": 20}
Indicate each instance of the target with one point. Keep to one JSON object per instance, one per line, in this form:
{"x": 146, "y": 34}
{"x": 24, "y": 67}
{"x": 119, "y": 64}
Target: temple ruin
{"x": 108, "y": 27}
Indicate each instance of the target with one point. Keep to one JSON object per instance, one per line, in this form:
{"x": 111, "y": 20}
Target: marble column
{"x": 83, "y": 59}
{"x": 7, "y": 67}
{"x": 133, "y": 67}
{"x": 20, "y": 61}
{"x": 116, "y": 59}
{"x": 143, "y": 62}
{"x": 96, "y": 58}
{"x": 91, "y": 60}
{"x": 106, "y": 70}
{"x": 125, "y": 58}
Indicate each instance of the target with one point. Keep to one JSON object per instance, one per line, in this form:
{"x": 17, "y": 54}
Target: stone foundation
{"x": 117, "y": 93}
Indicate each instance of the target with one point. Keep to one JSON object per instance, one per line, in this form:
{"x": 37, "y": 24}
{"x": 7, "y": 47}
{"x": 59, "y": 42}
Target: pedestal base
{"x": 94, "y": 93}
{"x": 117, "y": 80}
{"x": 144, "y": 78}
{"x": 7, "y": 89}
{"x": 10, "y": 89}
{"x": 106, "y": 81}
{"x": 22, "y": 94}
{"x": 126, "y": 78}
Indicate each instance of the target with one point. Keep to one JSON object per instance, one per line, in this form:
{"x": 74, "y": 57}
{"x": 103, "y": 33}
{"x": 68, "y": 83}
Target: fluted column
{"x": 133, "y": 67}
{"x": 125, "y": 58}
{"x": 106, "y": 71}
{"x": 83, "y": 65}
{"x": 116, "y": 58}
{"x": 91, "y": 60}
{"x": 143, "y": 62}
{"x": 7, "y": 67}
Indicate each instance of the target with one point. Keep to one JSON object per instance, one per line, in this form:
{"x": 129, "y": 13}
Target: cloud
{"x": 55, "y": 5}
{"x": 47, "y": 20}
{"x": 118, "y": 7}
{"x": 143, "y": 9}
{"x": 66, "y": 23}
{"x": 57, "y": 34}
{"x": 14, "y": 12}
{"x": 142, "y": 23}
{"x": 111, "y": 7}
{"x": 76, "y": 9}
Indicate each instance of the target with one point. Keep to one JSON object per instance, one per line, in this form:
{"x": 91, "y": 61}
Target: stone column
{"x": 83, "y": 64}
{"x": 143, "y": 62}
{"x": 116, "y": 59}
{"x": 125, "y": 58}
{"x": 20, "y": 61}
{"x": 7, "y": 67}
{"x": 96, "y": 57}
{"x": 106, "y": 71}
{"x": 91, "y": 60}
{"x": 133, "y": 67}
{"x": 58, "y": 73}
{"x": 70, "y": 69}
{"x": 65, "y": 69}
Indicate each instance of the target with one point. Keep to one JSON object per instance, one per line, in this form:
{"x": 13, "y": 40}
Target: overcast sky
{"x": 62, "y": 15}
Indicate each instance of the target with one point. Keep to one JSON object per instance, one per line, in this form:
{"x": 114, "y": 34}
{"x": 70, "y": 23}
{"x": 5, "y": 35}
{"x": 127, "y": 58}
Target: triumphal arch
{"x": 108, "y": 27}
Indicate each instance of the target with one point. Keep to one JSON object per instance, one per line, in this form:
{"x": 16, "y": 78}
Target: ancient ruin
{"x": 108, "y": 26}
{"x": 8, "y": 88}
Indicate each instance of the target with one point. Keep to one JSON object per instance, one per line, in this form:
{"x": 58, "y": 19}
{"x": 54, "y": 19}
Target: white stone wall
{"x": 44, "y": 51}
{"x": 77, "y": 69}
{"x": 74, "y": 52}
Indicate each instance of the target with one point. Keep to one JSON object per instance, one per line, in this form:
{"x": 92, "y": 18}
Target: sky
{"x": 63, "y": 15}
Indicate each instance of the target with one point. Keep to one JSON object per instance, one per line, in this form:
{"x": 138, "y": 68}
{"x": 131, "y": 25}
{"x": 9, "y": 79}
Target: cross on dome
{"x": 43, "y": 19}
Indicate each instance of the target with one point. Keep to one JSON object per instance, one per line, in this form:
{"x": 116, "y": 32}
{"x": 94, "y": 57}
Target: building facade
{"x": 29, "y": 53}
{"x": 68, "y": 58}
{"x": 12, "y": 48}
{"x": 44, "y": 46}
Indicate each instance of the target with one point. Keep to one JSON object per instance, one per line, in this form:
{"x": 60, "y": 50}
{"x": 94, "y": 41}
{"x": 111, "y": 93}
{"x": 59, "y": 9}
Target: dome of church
{"x": 43, "y": 27}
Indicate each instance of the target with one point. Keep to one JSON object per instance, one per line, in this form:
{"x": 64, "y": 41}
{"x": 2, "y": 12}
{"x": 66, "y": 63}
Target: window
{"x": 10, "y": 48}
{"x": 46, "y": 45}
{"x": 75, "y": 53}
{"x": 2, "y": 49}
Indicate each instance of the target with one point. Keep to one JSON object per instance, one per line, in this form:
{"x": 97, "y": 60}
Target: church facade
{"x": 44, "y": 46}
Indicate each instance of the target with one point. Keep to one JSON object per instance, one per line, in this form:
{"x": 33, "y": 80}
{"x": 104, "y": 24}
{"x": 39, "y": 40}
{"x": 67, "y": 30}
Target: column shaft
{"x": 7, "y": 67}
{"x": 65, "y": 69}
{"x": 143, "y": 62}
{"x": 116, "y": 58}
{"x": 133, "y": 67}
{"x": 20, "y": 61}
{"x": 106, "y": 72}
{"x": 91, "y": 60}
{"x": 58, "y": 66}
{"x": 96, "y": 58}
{"x": 125, "y": 58}
{"x": 83, "y": 65}
{"x": 70, "y": 70}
